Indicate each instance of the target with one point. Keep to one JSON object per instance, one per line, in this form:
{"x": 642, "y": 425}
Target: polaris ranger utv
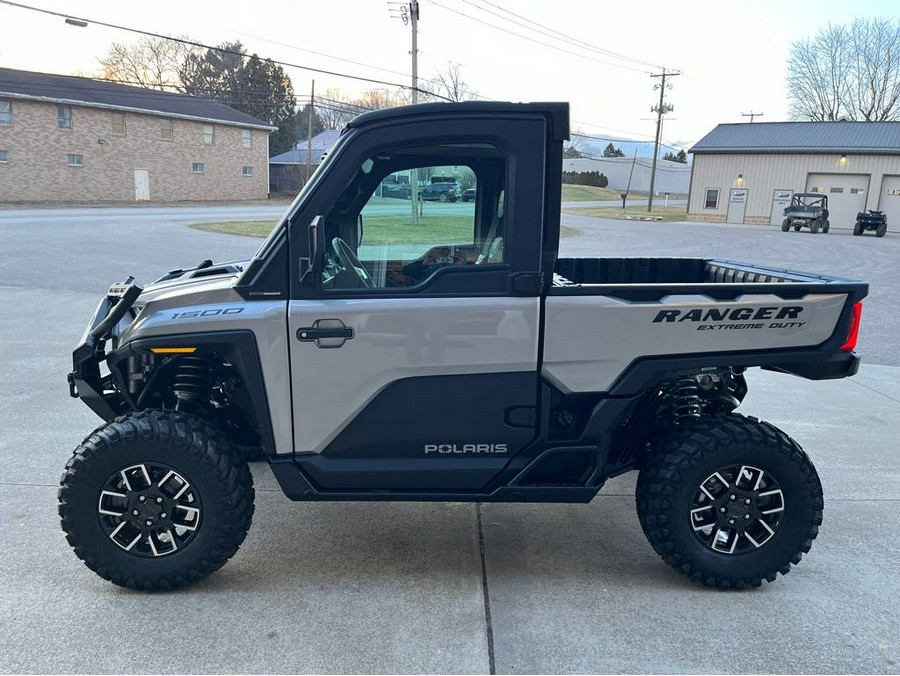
{"x": 375, "y": 351}
{"x": 808, "y": 209}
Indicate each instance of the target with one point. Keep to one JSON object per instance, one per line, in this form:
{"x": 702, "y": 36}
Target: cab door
{"x": 414, "y": 351}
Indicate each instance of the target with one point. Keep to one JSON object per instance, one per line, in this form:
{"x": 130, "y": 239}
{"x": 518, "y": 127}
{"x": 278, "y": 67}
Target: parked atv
{"x": 807, "y": 209}
{"x": 870, "y": 220}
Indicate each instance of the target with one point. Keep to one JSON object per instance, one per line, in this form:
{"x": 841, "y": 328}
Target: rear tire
{"x": 814, "y": 226}
{"x": 826, "y": 226}
{"x": 785, "y": 225}
{"x": 678, "y": 492}
{"x": 155, "y": 500}
{"x": 857, "y": 230}
{"x": 881, "y": 230}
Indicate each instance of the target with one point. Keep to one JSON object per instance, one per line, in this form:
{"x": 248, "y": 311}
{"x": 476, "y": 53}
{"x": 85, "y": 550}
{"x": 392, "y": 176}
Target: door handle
{"x": 311, "y": 334}
{"x": 326, "y": 333}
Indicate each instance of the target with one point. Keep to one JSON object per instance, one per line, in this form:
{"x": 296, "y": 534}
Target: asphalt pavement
{"x": 405, "y": 588}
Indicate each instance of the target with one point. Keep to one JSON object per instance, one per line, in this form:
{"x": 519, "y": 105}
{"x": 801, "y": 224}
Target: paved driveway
{"x": 390, "y": 587}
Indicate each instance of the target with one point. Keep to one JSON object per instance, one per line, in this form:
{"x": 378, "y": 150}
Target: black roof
{"x": 858, "y": 138}
{"x": 97, "y": 93}
{"x": 557, "y": 112}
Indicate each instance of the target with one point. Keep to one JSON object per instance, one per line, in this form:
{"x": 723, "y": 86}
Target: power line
{"x": 201, "y": 45}
{"x": 555, "y": 34}
{"x": 525, "y": 37}
{"x": 331, "y": 56}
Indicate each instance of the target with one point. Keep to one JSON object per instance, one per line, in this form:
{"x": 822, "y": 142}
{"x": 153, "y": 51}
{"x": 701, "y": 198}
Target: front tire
{"x": 881, "y": 230}
{"x": 156, "y": 500}
{"x": 785, "y": 225}
{"x": 764, "y": 482}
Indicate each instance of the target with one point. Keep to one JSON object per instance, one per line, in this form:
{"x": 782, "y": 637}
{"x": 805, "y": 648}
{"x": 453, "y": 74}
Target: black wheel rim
{"x": 737, "y": 509}
{"x": 149, "y": 509}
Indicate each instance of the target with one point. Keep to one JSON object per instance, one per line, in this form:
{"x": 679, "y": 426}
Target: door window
{"x": 410, "y": 213}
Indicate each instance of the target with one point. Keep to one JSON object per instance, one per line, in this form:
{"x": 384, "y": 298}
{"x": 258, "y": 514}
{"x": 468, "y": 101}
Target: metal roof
{"x": 22, "y": 84}
{"x": 320, "y": 143}
{"x": 858, "y": 138}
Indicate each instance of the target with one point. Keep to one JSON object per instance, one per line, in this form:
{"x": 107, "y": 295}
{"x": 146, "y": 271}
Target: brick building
{"x": 73, "y": 139}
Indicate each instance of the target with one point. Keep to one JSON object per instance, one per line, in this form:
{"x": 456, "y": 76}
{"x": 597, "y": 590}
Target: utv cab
{"x": 870, "y": 220}
{"x": 809, "y": 209}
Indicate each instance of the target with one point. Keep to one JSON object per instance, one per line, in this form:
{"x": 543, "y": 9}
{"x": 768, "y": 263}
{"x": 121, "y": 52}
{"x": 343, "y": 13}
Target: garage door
{"x": 846, "y": 195}
{"x": 889, "y": 202}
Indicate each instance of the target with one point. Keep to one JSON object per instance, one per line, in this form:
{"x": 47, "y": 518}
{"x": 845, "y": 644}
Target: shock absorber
{"x": 191, "y": 381}
{"x": 686, "y": 400}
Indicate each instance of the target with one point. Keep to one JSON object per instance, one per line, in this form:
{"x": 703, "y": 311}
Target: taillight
{"x": 853, "y": 331}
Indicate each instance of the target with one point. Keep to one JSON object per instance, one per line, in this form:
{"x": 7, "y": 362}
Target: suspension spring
{"x": 687, "y": 402}
{"x": 191, "y": 381}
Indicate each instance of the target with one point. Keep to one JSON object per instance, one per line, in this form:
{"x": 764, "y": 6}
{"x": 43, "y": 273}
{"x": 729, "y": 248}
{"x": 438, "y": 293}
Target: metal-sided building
{"x": 747, "y": 173}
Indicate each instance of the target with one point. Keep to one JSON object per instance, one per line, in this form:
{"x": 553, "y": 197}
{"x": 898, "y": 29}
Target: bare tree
{"x": 847, "y": 73}
{"x": 335, "y": 109}
{"x": 447, "y": 84}
{"x": 575, "y": 147}
{"x": 149, "y": 62}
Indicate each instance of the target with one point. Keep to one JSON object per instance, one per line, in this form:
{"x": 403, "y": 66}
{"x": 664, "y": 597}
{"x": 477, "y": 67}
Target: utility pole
{"x": 660, "y": 110}
{"x": 311, "y": 109}
{"x": 409, "y": 14}
{"x": 751, "y": 115}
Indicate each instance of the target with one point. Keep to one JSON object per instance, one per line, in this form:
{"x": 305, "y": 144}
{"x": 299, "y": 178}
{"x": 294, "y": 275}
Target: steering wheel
{"x": 348, "y": 259}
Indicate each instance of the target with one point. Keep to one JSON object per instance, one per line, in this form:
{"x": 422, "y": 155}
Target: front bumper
{"x": 85, "y": 380}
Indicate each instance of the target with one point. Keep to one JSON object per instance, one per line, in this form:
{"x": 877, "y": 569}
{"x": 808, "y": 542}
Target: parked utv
{"x": 452, "y": 358}
{"x": 807, "y": 209}
{"x": 870, "y": 220}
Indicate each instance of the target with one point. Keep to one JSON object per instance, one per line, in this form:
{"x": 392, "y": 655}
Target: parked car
{"x": 469, "y": 195}
{"x": 809, "y": 209}
{"x": 440, "y": 192}
{"x": 396, "y": 190}
{"x": 870, "y": 220}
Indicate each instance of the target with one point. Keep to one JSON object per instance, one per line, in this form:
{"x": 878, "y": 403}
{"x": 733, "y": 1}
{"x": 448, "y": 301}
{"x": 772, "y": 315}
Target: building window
{"x": 856, "y": 191}
{"x": 209, "y": 134}
{"x": 166, "y": 130}
{"x": 5, "y": 113}
{"x": 4, "y": 156}
{"x": 817, "y": 189}
{"x": 76, "y": 160}
{"x": 246, "y": 138}
{"x": 837, "y": 190}
{"x": 197, "y": 167}
{"x": 118, "y": 124}
{"x": 63, "y": 117}
{"x": 247, "y": 171}
{"x": 712, "y": 198}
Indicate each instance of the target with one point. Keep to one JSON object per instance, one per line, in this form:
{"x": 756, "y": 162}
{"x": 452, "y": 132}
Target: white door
{"x": 889, "y": 202}
{"x": 737, "y": 205}
{"x": 846, "y": 195}
{"x": 141, "y": 184}
{"x": 780, "y": 200}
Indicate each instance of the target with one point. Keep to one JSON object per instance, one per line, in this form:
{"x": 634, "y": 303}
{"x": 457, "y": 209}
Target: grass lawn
{"x": 588, "y": 193}
{"x": 633, "y": 213}
{"x": 441, "y": 229}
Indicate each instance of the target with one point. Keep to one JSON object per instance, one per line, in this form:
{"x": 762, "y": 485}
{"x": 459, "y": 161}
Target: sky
{"x": 731, "y": 55}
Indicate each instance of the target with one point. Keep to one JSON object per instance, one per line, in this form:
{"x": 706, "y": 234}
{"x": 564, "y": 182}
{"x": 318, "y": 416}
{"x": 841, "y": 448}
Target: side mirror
{"x": 314, "y": 262}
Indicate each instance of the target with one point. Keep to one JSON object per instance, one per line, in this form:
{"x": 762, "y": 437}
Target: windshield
{"x": 262, "y": 252}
